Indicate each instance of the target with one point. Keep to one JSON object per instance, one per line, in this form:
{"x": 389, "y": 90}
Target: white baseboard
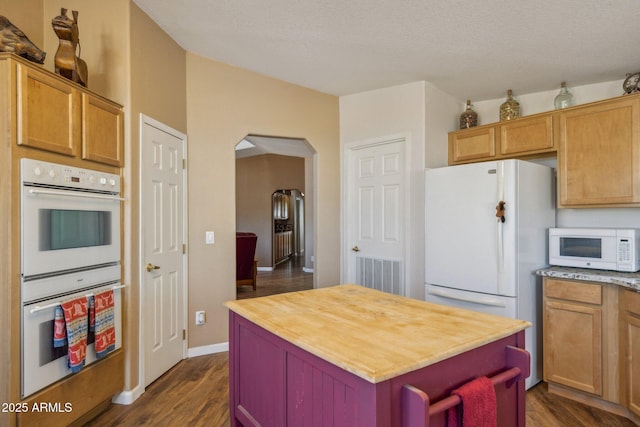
{"x": 265, "y": 268}
{"x": 307, "y": 269}
{"x": 208, "y": 349}
{"x": 128, "y": 397}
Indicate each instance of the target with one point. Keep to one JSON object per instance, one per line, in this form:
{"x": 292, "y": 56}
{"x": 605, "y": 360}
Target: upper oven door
{"x": 66, "y": 230}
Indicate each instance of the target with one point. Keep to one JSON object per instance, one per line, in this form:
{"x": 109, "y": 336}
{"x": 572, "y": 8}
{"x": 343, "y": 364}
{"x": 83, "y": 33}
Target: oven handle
{"x": 73, "y": 194}
{"x": 38, "y": 308}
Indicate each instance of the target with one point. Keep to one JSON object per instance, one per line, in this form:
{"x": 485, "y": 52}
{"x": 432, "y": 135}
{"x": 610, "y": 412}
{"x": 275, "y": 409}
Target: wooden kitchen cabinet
{"x": 282, "y": 246}
{"x": 472, "y": 145}
{"x": 48, "y": 113}
{"x": 630, "y": 341}
{"x": 102, "y": 131}
{"x": 599, "y": 154}
{"x": 56, "y": 115}
{"x": 573, "y": 335}
{"x": 528, "y": 135}
{"x": 580, "y": 324}
{"x": 525, "y": 137}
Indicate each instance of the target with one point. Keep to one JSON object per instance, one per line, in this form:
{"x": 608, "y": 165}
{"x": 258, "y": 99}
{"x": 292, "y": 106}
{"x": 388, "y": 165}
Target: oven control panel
{"x": 39, "y": 172}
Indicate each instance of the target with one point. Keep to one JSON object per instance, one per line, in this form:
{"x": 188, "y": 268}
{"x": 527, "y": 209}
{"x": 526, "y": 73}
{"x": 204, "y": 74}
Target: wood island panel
{"x": 400, "y": 334}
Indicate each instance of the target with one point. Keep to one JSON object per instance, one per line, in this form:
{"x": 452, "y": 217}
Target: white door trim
{"x": 347, "y": 211}
{"x": 148, "y": 121}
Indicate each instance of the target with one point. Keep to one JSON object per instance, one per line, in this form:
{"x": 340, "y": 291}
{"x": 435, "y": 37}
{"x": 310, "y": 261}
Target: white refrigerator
{"x": 481, "y": 257}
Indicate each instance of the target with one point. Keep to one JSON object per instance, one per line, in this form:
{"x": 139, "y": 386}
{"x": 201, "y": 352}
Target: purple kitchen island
{"x": 350, "y": 356}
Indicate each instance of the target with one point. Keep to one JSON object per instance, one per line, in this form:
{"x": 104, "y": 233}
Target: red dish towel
{"x": 75, "y": 317}
{"x": 478, "y": 404}
{"x": 92, "y": 313}
{"x": 105, "y": 338}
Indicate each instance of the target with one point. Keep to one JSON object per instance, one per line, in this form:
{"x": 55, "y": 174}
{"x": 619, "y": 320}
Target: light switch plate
{"x": 209, "y": 237}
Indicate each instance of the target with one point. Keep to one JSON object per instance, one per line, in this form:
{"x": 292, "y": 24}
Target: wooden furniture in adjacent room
{"x": 49, "y": 118}
{"x": 348, "y": 355}
{"x": 246, "y": 262}
{"x": 282, "y": 246}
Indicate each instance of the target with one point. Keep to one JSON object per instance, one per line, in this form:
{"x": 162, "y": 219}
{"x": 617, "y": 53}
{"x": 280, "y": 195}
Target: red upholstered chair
{"x": 246, "y": 262}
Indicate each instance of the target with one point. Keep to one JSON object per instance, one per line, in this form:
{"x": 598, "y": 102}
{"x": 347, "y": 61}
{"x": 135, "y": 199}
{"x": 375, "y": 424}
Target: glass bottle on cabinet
{"x": 564, "y": 99}
{"x": 468, "y": 118}
{"x": 510, "y": 109}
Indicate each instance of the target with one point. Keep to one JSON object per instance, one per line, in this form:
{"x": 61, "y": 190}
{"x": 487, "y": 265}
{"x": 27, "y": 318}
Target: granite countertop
{"x": 372, "y": 334}
{"x": 628, "y": 280}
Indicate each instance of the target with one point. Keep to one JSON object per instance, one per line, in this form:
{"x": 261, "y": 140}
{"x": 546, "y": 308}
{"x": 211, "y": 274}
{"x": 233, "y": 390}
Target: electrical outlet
{"x": 200, "y": 318}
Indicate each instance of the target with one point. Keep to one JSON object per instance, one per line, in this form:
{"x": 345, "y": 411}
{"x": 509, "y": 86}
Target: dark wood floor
{"x": 195, "y": 392}
{"x": 286, "y": 277}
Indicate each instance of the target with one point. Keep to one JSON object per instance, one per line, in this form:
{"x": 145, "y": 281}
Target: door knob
{"x": 152, "y": 267}
{"x": 355, "y": 249}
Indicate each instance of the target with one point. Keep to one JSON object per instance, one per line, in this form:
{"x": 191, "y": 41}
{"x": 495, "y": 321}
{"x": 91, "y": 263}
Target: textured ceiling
{"x": 470, "y": 49}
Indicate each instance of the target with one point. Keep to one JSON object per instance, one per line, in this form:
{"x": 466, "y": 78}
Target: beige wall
{"x": 256, "y": 179}
{"x": 158, "y": 90}
{"x": 224, "y": 104}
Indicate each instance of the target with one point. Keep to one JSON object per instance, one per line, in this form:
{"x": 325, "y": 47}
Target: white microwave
{"x": 599, "y": 248}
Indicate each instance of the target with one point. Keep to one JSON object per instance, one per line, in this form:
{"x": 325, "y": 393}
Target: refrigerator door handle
{"x": 500, "y": 241}
{"x": 483, "y": 301}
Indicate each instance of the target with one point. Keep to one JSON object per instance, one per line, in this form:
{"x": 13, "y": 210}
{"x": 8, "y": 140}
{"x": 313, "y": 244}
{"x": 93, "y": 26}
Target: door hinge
{"x": 184, "y": 249}
{"x": 184, "y": 334}
{"x": 184, "y": 163}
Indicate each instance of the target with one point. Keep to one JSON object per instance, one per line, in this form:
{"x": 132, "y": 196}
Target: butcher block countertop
{"x": 372, "y": 334}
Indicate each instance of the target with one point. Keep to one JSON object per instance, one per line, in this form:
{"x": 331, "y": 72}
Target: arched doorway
{"x": 268, "y": 166}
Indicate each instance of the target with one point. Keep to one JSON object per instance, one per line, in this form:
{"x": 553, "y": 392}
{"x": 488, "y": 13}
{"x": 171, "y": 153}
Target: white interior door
{"x": 376, "y": 219}
{"x": 163, "y": 216}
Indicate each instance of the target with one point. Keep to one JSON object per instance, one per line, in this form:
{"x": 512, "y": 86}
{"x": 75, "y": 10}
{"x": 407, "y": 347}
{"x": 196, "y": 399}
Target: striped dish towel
{"x": 59, "y": 328}
{"x": 105, "y": 331}
{"x": 75, "y": 316}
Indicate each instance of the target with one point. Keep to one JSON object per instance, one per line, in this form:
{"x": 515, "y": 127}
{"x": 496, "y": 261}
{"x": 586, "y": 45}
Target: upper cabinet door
{"x": 48, "y": 116}
{"x": 473, "y": 144}
{"x": 527, "y": 135}
{"x": 599, "y": 155}
{"x": 102, "y": 131}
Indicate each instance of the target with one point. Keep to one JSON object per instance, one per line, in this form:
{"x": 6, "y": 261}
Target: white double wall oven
{"x": 70, "y": 248}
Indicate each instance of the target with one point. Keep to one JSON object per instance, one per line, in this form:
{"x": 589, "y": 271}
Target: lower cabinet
{"x": 592, "y": 344}
{"x": 573, "y": 335}
{"x": 630, "y": 340}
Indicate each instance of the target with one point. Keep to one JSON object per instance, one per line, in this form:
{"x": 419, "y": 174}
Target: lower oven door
{"x": 42, "y": 363}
